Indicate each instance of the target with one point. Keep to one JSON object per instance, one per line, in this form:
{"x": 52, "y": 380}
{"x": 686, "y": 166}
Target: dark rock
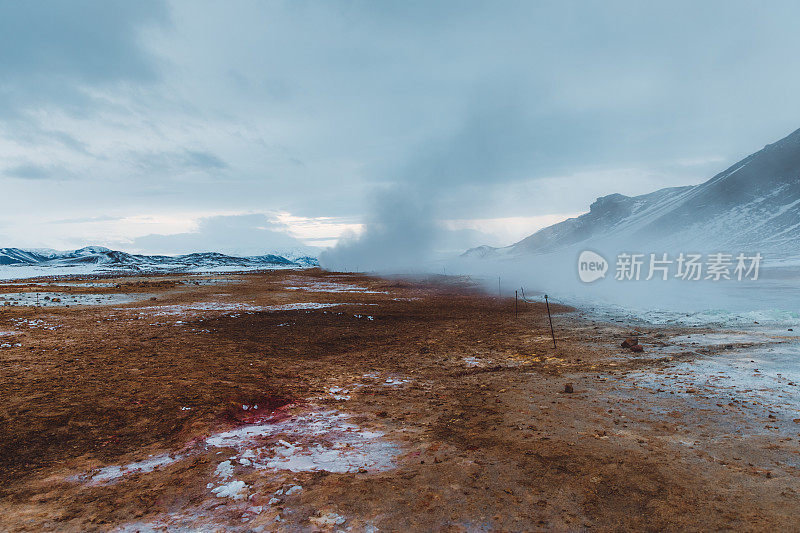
{"x": 568, "y": 388}
{"x": 630, "y": 342}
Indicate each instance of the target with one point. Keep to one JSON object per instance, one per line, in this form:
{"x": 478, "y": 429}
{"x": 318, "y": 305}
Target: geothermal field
{"x": 303, "y": 400}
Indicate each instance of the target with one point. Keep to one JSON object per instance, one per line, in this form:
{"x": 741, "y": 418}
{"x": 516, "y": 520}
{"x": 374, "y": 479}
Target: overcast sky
{"x": 252, "y": 126}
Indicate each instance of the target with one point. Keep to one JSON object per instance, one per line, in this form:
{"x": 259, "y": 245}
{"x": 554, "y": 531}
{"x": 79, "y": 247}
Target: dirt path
{"x": 297, "y": 400}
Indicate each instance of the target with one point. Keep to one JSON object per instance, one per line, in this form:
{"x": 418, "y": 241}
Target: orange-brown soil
{"x": 481, "y": 433}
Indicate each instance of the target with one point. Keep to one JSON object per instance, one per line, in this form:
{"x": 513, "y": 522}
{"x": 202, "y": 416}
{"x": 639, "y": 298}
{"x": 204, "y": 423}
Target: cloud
{"x": 51, "y": 51}
{"x": 85, "y": 220}
{"x": 35, "y": 172}
{"x": 178, "y": 161}
{"x": 244, "y": 235}
{"x": 307, "y": 107}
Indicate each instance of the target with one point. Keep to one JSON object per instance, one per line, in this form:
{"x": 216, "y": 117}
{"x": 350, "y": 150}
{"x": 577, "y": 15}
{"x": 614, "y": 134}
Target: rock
{"x": 630, "y": 342}
{"x": 568, "y": 388}
{"x": 637, "y": 348}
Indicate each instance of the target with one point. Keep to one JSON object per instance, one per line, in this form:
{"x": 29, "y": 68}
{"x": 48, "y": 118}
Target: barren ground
{"x": 409, "y": 406}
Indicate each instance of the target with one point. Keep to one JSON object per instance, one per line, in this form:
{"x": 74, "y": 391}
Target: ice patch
{"x": 307, "y": 305}
{"x": 161, "y": 310}
{"x": 323, "y": 286}
{"x": 721, "y": 339}
{"x": 63, "y": 299}
{"x": 322, "y": 440}
{"x": 112, "y": 474}
{"x": 224, "y": 470}
{"x": 294, "y": 489}
{"x": 36, "y": 323}
{"x": 232, "y": 489}
{"x": 327, "y": 520}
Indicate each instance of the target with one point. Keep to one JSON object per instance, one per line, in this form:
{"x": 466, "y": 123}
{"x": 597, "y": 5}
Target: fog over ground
{"x": 163, "y": 126}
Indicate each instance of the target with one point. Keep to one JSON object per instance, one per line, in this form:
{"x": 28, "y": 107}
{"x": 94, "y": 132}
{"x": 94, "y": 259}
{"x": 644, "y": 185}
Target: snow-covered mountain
{"x": 113, "y": 259}
{"x": 752, "y": 206}
{"x": 13, "y": 256}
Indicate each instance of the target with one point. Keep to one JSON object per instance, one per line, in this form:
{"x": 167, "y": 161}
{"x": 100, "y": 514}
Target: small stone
{"x": 630, "y": 342}
{"x": 637, "y": 348}
{"x": 568, "y": 388}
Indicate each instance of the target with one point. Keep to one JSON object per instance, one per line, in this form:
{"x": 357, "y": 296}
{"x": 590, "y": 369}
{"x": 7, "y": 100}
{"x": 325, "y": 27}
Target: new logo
{"x": 591, "y": 266}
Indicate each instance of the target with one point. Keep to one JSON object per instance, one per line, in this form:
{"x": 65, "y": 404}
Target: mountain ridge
{"x": 752, "y": 205}
{"x": 99, "y": 255}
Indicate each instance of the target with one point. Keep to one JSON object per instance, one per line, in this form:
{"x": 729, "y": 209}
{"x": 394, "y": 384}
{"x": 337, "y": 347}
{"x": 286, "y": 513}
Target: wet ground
{"x": 304, "y": 400}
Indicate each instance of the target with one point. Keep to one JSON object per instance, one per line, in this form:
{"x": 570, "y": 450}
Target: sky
{"x": 249, "y": 127}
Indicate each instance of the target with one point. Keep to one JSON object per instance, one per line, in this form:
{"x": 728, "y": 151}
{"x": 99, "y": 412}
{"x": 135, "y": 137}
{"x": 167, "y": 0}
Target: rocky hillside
{"x": 752, "y": 206}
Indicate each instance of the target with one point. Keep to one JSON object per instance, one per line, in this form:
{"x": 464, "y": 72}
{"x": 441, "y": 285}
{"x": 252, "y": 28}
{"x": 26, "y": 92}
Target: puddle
{"x": 64, "y": 299}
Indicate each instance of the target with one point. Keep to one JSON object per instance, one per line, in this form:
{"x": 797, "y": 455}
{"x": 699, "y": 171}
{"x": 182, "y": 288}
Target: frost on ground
{"x": 323, "y": 286}
{"x": 64, "y": 299}
{"x": 308, "y": 441}
{"x": 235, "y": 490}
{"x": 320, "y": 440}
{"x": 167, "y": 310}
{"x": 36, "y": 323}
{"x": 114, "y": 473}
{"x": 326, "y": 520}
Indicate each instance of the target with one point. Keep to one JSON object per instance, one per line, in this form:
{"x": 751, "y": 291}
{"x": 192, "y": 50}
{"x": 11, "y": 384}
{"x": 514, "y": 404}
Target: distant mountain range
{"x": 104, "y": 257}
{"x": 752, "y": 206}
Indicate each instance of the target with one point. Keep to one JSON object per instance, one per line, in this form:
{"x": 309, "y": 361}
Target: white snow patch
{"x": 324, "y": 286}
{"x": 327, "y": 520}
{"x": 112, "y": 474}
{"x": 224, "y": 470}
{"x": 307, "y": 305}
{"x": 322, "y": 440}
{"x": 232, "y": 489}
{"x": 162, "y": 310}
{"x": 63, "y": 299}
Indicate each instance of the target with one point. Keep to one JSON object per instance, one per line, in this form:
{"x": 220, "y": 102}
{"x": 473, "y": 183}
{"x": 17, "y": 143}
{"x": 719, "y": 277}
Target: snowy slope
{"x": 17, "y": 263}
{"x": 752, "y": 206}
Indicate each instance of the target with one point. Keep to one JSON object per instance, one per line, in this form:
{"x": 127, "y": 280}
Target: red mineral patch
{"x": 258, "y": 409}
